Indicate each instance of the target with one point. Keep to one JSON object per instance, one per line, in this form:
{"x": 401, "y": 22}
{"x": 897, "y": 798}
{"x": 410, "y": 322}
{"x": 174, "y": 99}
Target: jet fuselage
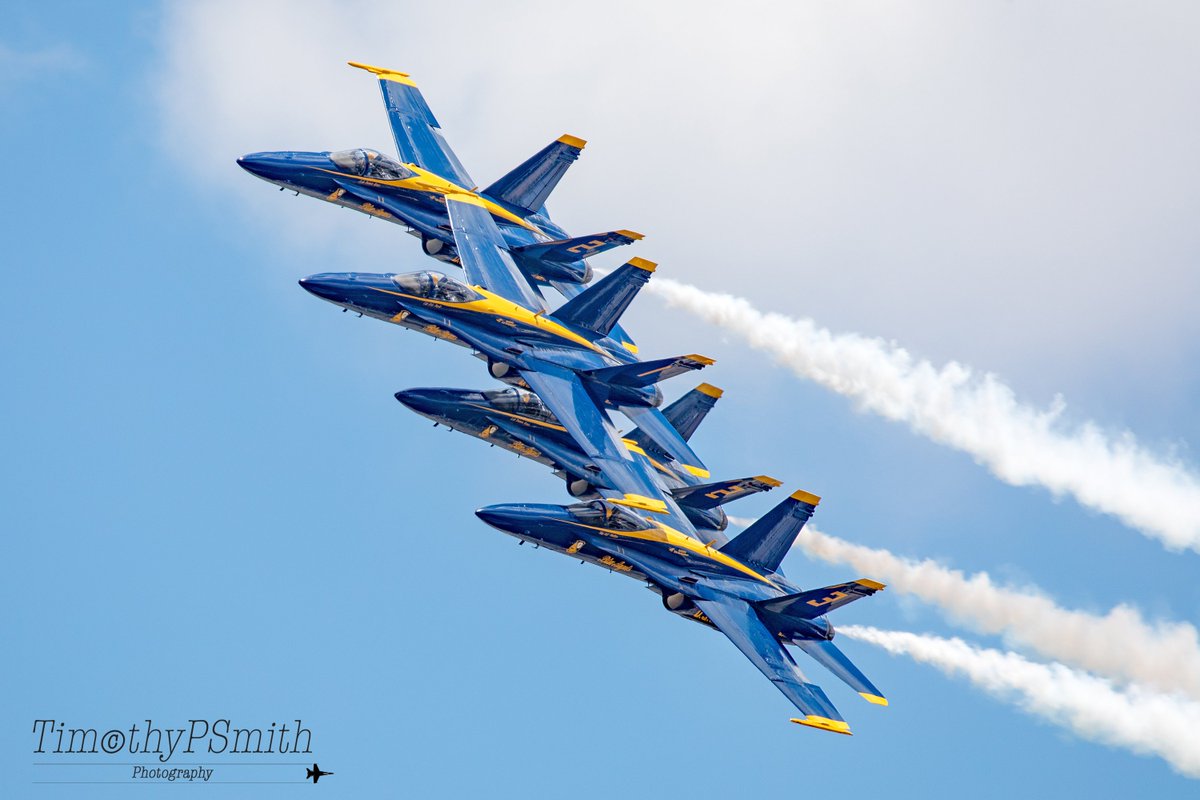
{"x": 509, "y": 335}
{"x": 680, "y": 567}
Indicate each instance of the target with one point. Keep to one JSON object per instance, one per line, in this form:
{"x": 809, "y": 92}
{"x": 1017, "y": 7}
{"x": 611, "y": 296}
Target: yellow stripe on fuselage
{"x": 529, "y": 420}
{"x": 665, "y": 534}
{"x": 496, "y": 306}
{"x": 431, "y": 183}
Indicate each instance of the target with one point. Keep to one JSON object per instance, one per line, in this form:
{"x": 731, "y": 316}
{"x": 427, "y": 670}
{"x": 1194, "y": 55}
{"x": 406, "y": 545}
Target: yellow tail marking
{"x": 825, "y": 724}
{"x": 805, "y": 497}
{"x": 710, "y": 390}
{"x": 642, "y": 263}
{"x": 572, "y": 141}
{"x": 699, "y": 472}
{"x": 631, "y": 235}
{"x": 384, "y": 73}
{"x": 767, "y": 479}
{"x": 874, "y": 698}
{"x": 870, "y": 584}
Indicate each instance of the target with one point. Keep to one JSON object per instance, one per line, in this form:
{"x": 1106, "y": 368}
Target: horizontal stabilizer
{"x": 647, "y": 373}
{"x": 711, "y": 495}
{"x": 829, "y": 656}
{"x": 527, "y": 187}
{"x": 818, "y": 602}
{"x": 598, "y": 307}
{"x": 768, "y": 540}
{"x": 568, "y": 251}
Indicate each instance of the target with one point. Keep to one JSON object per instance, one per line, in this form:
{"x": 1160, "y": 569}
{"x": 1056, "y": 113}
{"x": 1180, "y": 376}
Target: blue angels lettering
{"x": 646, "y": 505}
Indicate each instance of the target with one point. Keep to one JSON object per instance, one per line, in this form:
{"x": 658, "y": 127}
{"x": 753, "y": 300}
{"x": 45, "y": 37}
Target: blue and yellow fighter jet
{"x": 519, "y": 422}
{"x": 738, "y": 588}
{"x": 412, "y": 193}
{"x": 567, "y": 357}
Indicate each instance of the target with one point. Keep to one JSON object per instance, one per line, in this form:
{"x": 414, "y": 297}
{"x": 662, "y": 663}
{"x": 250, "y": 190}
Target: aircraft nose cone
{"x": 514, "y": 518}
{"x": 255, "y": 164}
{"x": 521, "y": 518}
{"x": 423, "y": 401}
{"x": 322, "y": 286}
{"x": 436, "y": 401}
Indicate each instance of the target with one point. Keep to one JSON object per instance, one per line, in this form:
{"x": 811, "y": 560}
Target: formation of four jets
{"x": 648, "y": 507}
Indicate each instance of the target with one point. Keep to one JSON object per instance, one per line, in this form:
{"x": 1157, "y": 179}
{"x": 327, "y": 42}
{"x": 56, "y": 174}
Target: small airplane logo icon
{"x": 315, "y": 773}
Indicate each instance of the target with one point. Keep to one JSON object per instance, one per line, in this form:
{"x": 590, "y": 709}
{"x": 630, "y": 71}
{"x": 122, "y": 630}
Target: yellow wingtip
{"x": 642, "y": 263}
{"x": 572, "y": 141}
{"x": 824, "y": 724}
{"x": 710, "y": 390}
{"x": 384, "y": 73}
{"x": 870, "y": 584}
{"x": 767, "y": 479}
{"x": 641, "y": 502}
{"x": 633, "y": 446}
{"x": 874, "y": 698}
{"x": 631, "y": 235}
{"x": 805, "y": 497}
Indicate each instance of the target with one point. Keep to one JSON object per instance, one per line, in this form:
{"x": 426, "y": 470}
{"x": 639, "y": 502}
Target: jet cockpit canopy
{"x": 521, "y": 403}
{"x": 435, "y": 286}
{"x": 371, "y": 164}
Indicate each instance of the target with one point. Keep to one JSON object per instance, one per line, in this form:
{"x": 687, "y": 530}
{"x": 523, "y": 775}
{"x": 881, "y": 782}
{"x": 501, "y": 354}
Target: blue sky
{"x": 215, "y": 508}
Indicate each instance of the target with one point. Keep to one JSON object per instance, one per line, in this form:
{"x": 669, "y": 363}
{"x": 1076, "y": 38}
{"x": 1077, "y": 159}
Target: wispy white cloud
{"x": 1120, "y": 644}
{"x": 975, "y": 413}
{"x": 1135, "y": 719}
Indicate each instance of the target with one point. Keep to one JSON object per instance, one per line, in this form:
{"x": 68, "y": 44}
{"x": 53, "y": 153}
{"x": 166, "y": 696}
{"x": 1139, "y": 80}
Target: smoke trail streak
{"x": 1135, "y": 718}
{"x": 977, "y": 414}
{"x": 1120, "y": 644}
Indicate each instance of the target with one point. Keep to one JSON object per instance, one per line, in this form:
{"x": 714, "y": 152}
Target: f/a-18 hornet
{"x": 411, "y": 192}
{"x": 738, "y": 588}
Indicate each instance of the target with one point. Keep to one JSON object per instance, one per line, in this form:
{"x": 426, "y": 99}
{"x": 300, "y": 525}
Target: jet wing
{"x": 416, "y": 131}
{"x": 564, "y": 394}
{"x": 828, "y": 655}
{"x": 483, "y": 255}
{"x": 738, "y": 621}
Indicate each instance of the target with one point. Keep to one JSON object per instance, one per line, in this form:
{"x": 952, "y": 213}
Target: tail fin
{"x": 527, "y": 187}
{"x": 818, "y": 602}
{"x": 684, "y": 415}
{"x": 598, "y": 307}
{"x": 767, "y": 541}
{"x": 689, "y": 411}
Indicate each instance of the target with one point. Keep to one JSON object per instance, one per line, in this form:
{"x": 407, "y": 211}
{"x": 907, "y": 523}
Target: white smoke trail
{"x": 977, "y": 414}
{"x": 1135, "y": 718}
{"x": 1120, "y": 644}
